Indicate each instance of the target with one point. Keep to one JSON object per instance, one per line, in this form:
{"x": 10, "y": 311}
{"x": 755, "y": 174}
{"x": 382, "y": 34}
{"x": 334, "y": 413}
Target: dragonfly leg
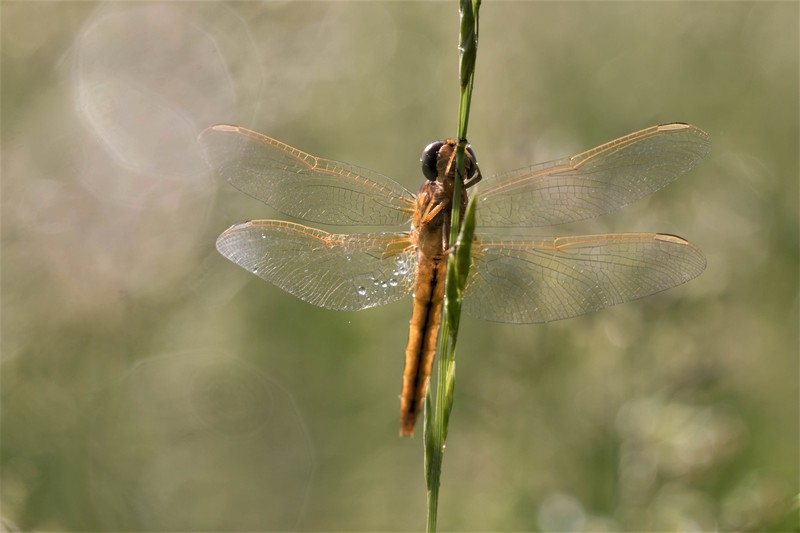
{"x": 476, "y": 178}
{"x": 446, "y": 233}
{"x": 450, "y": 162}
{"x": 431, "y": 212}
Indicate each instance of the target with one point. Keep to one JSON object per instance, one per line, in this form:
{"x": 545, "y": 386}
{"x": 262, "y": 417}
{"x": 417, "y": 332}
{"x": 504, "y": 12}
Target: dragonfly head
{"x": 437, "y": 160}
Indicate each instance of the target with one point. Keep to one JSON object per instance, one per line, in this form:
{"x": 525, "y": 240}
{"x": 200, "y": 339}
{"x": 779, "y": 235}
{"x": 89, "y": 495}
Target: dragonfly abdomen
{"x": 423, "y": 331}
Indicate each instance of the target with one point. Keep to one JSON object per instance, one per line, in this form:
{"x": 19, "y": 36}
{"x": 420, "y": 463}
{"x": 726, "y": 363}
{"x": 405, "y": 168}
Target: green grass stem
{"x": 437, "y": 416}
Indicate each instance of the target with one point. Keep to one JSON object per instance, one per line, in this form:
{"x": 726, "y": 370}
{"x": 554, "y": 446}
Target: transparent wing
{"x": 330, "y": 270}
{"x": 594, "y": 182}
{"x": 302, "y": 185}
{"x": 526, "y": 281}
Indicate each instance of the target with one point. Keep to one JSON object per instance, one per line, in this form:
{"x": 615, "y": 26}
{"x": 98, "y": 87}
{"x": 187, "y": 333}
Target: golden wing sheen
{"x": 512, "y": 280}
{"x": 525, "y": 281}
{"x": 302, "y": 185}
{"x": 329, "y": 270}
{"x": 592, "y": 183}
{"x": 516, "y": 281}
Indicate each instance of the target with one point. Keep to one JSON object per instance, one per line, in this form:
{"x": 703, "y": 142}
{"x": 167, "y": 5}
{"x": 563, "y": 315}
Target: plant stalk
{"x": 437, "y": 418}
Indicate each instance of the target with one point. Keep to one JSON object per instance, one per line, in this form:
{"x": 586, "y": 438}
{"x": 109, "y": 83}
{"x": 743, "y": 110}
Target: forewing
{"x": 335, "y": 271}
{"x": 302, "y": 185}
{"x": 594, "y": 182}
{"x": 527, "y": 281}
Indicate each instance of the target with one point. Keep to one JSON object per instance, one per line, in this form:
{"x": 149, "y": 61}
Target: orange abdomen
{"x": 423, "y": 331}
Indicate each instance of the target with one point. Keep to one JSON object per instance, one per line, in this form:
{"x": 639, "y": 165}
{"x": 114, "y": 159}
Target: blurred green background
{"x": 149, "y": 384}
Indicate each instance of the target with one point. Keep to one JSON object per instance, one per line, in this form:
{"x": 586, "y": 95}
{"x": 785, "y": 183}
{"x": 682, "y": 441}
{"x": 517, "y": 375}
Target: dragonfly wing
{"x": 302, "y": 185}
{"x": 334, "y": 271}
{"x": 527, "y": 281}
{"x": 594, "y": 182}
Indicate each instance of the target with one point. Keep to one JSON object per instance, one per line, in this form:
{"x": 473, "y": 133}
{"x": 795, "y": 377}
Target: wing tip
{"x": 233, "y": 229}
{"x": 675, "y": 127}
{"x": 224, "y": 128}
{"x": 699, "y": 255}
{"x": 667, "y": 237}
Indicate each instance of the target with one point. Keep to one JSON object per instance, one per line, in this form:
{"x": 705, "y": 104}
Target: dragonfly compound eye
{"x": 428, "y": 160}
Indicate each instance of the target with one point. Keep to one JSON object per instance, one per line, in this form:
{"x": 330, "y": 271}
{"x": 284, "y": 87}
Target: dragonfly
{"x": 517, "y": 280}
